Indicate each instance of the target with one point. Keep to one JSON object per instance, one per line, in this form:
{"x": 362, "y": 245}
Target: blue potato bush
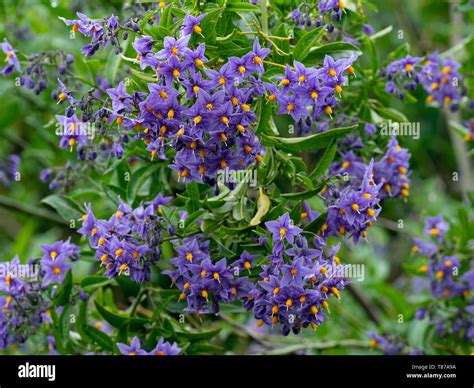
{"x": 221, "y": 163}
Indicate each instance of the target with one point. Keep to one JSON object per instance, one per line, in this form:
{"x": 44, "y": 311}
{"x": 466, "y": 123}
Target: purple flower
{"x": 370, "y": 129}
{"x": 388, "y": 346}
{"x": 257, "y": 56}
{"x": 173, "y": 48}
{"x": 367, "y": 29}
{"x": 191, "y": 24}
{"x": 55, "y": 270}
{"x": 60, "y": 249}
{"x": 72, "y": 131}
{"x": 283, "y": 229}
{"x": 121, "y": 100}
{"x": 436, "y": 227}
{"x": 424, "y": 248}
{"x": 292, "y": 105}
{"x": 165, "y": 348}
{"x": 143, "y": 45}
{"x": 133, "y": 350}
{"x": 12, "y": 59}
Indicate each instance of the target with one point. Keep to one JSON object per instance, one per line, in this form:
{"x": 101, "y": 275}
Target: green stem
{"x": 137, "y": 301}
{"x": 21, "y": 207}
{"x": 263, "y": 4}
{"x": 459, "y": 145}
{"x": 275, "y": 64}
{"x": 307, "y": 345}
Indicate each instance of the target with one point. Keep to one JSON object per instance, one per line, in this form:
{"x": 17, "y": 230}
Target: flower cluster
{"x": 295, "y": 287}
{"x": 162, "y": 348}
{"x": 391, "y": 345}
{"x": 205, "y": 115}
{"x": 35, "y": 74}
{"x": 101, "y": 31}
{"x": 209, "y": 124}
{"x": 354, "y": 208}
{"x": 329, "y": 11}
{"x": 450, "y": 283}
{"x": 438, "y": 77}
{"x": 23, "y": 300}
{"x": 9, "y": 169}
{"x": 58, "y": 177}
{"x": 22, "y": 304}
{"x": 310, "y": 92}
{"x": 203, "y": 283}
{"x": 129, "y": 241}
{"x": 11, "y": 58}
{"x": 354, "y": 202}
{"x": 392, "y": 171}
{"x": 54, "y": 261}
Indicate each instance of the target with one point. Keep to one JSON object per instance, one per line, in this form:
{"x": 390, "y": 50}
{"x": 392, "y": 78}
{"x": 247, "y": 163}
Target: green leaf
{"x": 295, "y": 213}
{"x": 99, "y": 338}
{"x": 144, "y": 21}
{"x": 64, "y": 325}
{"x": 400, "y": 52}
{"x": 158, "y": 32}
{"x": 82, "y": 317}
{"x": 139, "y": 178}
{"x": 193, "y": 204}
{"x": 161, "y": 307}
{"x": 112, "y": 192}
{"x": 193, "y": 337}
{"x": 241, "y": 7}
{"x": 308, "y": 143}
{"x": 166, "y": 18}
{"x": 89, "y": 283}
{"x": 122, "y": 335}
{"x": 93, "y": 66}
{"x": 336, "y": 49}
{"x": 325, "y": 161}
{"x": 117, "y": 320}
{"x": 315, "y": 225}
{"x": 372, "y": 54}
{"x": 65, "y": 207}
{"x": 307, "y": 42}
{"x": 63, "y": 295}
{"x": 390, "y": 114}
{"x": 208, "y": 24}
{"x": 192, "y": 219}
{"x": 264, "y": 117}
{"x": 303, "y": 195}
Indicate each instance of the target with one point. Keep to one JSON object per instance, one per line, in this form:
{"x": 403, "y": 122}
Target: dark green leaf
{"x": 117, "y": 320}
{"x": 325, "y": 160}
{"x": 315, "y": 225}
{"x": 99, "y": 338}
{"x": 65, "y": 207}
{"x": 307, "y": 42}
{"x": 193, "y": 337}
{"x": 304, "y": 194}
{"x": 308, "y": 143}
{"x": 64, "y": 293}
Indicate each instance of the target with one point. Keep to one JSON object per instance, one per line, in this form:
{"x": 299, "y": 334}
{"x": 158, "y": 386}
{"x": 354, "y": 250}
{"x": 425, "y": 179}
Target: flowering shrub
{"x": 220, "y": 167}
